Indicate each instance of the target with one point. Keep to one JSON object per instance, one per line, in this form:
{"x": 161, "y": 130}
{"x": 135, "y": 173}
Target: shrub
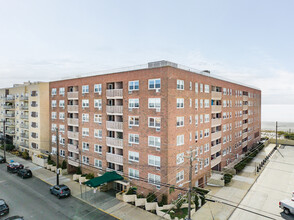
{"x": 202, "y": 200}
{"x": 179, "y": 203}
{"x": 131, "y": 191}
{"x": 49, "y": 158}
{"x": 90, "y": 176}
{"x": 227, "y": 177}
{"x": 10, "y": 147}
{"x": 84, "y": 175}
{"x": 163, "y": 200}
{"x": 151, "y": 197}
{"x": 79, "y": 171}
{"x": 53, "y": 163}
{"x": 140, "y": 196}
{"x": 64, "y": 165}
{"x": 196, "y": 202}
{"x": 25, "y": 155}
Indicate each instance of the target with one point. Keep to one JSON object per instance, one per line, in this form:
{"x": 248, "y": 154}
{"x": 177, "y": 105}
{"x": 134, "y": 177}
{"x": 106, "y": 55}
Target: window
{"x": 53, "y": 115}
{"x": 190, "y": 103}
{"x": 85, "y": 117}
{"x": 206, "y": 147}
{"x": 98, "y": 133}
{"x": 180, "y": 84}
{"x": 190, "y": 85}
{"x": 61, "y": 103}
{"x": 85, "y": 132}
{"x": 133, "y": 120}
{"x": 154, "y": 141}
{"x": 206, "y": 118}
{"x": 133, "y": 85}
{"x": 196, "y": 103}
{"x": 61, "y": 128}
{"x": 180, "y": 103}
{"x": 201, "y": 134}
{"x": 206, "y": 132}
{"x": 190, "y": 119}
{"x": 196, "y": 120}
{"x": 201, "y": 119}
{"x": 180, "y": 140}
{"x": 53, "y": 127}
{"x": 196, "y": 87}
{"x": 154, "y": 103}
{"x": 133, "y": 103}
{"x": 206, "y": 162}
{"x": 154, "y": 122}
{"x": 62, "y": 153}
{"x": 206, "y": 88}
{"x": 180, "y": 158}
{"x": 196, "y": 168}
{"x": 133, "y": 156}
{"x": 201, "y": 87}
{"x": 85, "y": 160}
{"x": 98, "y": 163}
{"x": 98, "y": 103}
{"x": 180, "y": 176}
{"x": 180, "y": 121}
{"x": 53, "y": 91}
{"x": 53, "y": 139}
{"x": 98, "y": 118}
{"x": 154, "y": 160}
{"x": 153, "y": 179}
{"x": 98, "y": 148}
{"x": 133, "y": 173}
{"x": 85, "y": 89}
{"x": 224, "y": 91}
{"x": 85, "y": 103}
{"x": 85, "y": 146}
{"x": 98, "y": 88}
{"x": 206, "y": 103}
{"x": 53, "y": 103}
{"x": 201, "y": 103}
{"x": 133, "y": 138}
{"x": 61, "y": 91}
{"x": 154, "y": 84}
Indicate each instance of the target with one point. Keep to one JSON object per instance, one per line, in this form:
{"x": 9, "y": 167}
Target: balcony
{"x": 24, "y": 135}
{"x": 216, "y": 148}
{"x": 244, "y": 135}
{"x": 10, "y": 132}
{"x": 73, "y": 162}
{"x": 24, "y": 117}
{"x": 116, "y": 142}
{"x": 116, "y": 109}
{"x": 113, "y": 125}
{"x": 216, "y": 161}
{"x": 24, "y": 126}
{"x": 24, "y": 107}
{"x": 245, "y": 116}
{"x": 73, "y": 121}
{"x": 245, "y": 126}
{"x": 73, "y": 135}
{"x": 114, "y": 158}
{"x": 72, "y": 95}
{"x": 10, "y": 124}
{"x": 245, "y": 107}
{"x": 244, "y": 144}
{"x": 25, "y": 145}
{"x": 245, "y": 98}
{"x": 72, "y": 108}
{"x": 9, "y": 115}
{"x": 114, "y": 93}
{"x": 73, "y": 148}
{"x": 8, "y": 107}
{"x": 216, "y": 135}
{"x": 9, "y": 99}
{"x": 216, "y": 108}
{"x": 216, "y": 122}
{"x": 216, "y": 95}
{"x": 24, "y": 98}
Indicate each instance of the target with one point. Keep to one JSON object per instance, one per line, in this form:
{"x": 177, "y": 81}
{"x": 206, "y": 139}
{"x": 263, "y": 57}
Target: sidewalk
{"x": 233, "y": 193}
{"x": 104, "y": 201}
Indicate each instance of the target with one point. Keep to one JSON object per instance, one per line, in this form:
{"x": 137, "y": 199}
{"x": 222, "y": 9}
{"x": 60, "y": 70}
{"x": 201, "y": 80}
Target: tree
{"x": 64, "y": 165}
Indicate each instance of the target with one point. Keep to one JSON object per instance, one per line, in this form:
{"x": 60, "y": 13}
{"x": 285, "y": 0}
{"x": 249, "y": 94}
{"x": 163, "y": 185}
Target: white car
{"x": 287, "y": 205}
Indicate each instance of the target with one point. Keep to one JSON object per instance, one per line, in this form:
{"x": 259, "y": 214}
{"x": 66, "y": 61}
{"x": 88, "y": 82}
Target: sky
{"x": 248, "y": 41}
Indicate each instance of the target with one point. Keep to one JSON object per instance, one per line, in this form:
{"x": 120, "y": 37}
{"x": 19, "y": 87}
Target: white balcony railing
{"x": 245, "y": 98}
{"x": 111, "y": 93}
{"x": 114, "y": 158}
{"x": 244, "y": 144}
{"x": 216, "y": 135}
{"x": 216, "y": 161}
{"x": 244, "y": 135}
{"x": 245, "y": 126}
{"x": 73, "y": 148}
{"x": 73, "y": 162}
{"x": 116, "y": 142}
{"x": 216, "y": 108}
{"x": 216, "y": 122}
{"x": 73, "y": 135}
{"x": 216, "y": 148}
{"x": 72, "y": 108}
{"x": 116, "y": 109}
{"x": 72, "y": 95}
{"x": 73, "y": 121}
{"x": 216, "y": 95}
{"x": 113, "y": 125}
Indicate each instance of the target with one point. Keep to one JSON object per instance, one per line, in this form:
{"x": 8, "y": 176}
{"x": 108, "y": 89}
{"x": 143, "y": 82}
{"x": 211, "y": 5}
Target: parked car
{"x": 14, "y": 167}
{"x": 287, "y": 205}
{"x": 24, "y": 173}
{"x": 16, "y": 217}
{"x": 2, "y": 159}
{"x": 60, "y": 191}
{"x": 4, "y": 208}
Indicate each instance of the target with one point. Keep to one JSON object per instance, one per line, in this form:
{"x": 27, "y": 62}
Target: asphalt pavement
{"x": 31, "y": 199}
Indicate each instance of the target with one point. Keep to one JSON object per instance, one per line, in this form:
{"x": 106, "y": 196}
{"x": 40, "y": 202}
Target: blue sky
{"x": 248, "y": 41}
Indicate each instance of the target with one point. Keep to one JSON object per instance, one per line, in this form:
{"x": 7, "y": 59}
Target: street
{"x": 31, "y": 198}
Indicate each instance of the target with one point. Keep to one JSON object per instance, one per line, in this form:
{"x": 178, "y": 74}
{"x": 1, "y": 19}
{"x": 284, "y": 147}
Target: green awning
{"x": 105, "y": 178}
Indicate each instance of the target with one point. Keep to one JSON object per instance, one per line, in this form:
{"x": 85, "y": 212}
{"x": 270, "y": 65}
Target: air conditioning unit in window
{"x": 130, "y": 109}
{"x": 99, "y": 93}
{"x": 130, "y": 92}
{"x": 157, "y": 186}
{"x": 157, "y": 168}
{"x": 157, "y": 90}
{"x": 157, "y": 109}
{"x": 158, "y": 148}
{"x": 130, "y": 145}
{"x": 130, "y": 127}
{"x": 157, "y": 129}
{"x": 99, "y": 108}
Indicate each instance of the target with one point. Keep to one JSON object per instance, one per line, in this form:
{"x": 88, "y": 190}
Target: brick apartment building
{"x": 142, "y": 121}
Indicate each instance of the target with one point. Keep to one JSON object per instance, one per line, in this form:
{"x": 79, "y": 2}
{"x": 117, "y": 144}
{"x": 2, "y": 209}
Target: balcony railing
{"x": 245, "y": 126}
{"x": 215, "y": 161}
{"x": 245, "y": 98}
{"x": 24, "y": 107}
{"x": 73, "y": 162}
{"x": 116, "y": 109}
{"x": 9, "y": 98}
{"x": 25, "y": 145}
{"x": 24, "y": 126}
{"x": 245, "y": 116}
{"x": 9, "y": 115}
{"x": 113, "y": 125}
{"x": 72, "y": 95}
{"x": 216, "y": 135}
{"x": 73, "y": 148}
{"x": 24, "y": 98}
{"x": 244, "y": 144}
{"x": 10, "y": 132}
{"x": 216, "y": 95}
{"x": 24, "y": 135}
{"x": 73, "y": 135}
{"x": 216, "y": 122}
{"x": 73, "y": 121}
{"x": 244, "y": 135}
{"x": 24, "y": 117}
{"x": 116, "y": 142}
{"x": 9, "y": 107}
{"x": 245, "y": 107}
{"x": 111, "y": 93}
{"x": 10, "y": 124}
{"x": 114, "y": 158}
{"x": 216, "y": 108}
{"x": 215, "y": 148}
{"x": 72, "y": 108}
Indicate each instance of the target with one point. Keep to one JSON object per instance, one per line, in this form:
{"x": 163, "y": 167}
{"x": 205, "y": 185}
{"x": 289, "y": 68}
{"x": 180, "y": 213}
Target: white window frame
{"x": 180, "y": 84}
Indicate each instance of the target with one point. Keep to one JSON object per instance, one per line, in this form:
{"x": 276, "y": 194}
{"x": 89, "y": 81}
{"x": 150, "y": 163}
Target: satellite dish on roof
{"x": 205, "y": 71}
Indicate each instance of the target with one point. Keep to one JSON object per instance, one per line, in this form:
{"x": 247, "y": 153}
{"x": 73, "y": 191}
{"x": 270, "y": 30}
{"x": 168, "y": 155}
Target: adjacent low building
{"x": 141, "y": 122}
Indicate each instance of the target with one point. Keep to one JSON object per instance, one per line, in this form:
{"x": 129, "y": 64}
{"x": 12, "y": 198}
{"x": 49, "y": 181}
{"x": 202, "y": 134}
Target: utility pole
{"x": 4, "y": 140}
{"x": 57, "y": 154}
{"x": 276, "y": 134}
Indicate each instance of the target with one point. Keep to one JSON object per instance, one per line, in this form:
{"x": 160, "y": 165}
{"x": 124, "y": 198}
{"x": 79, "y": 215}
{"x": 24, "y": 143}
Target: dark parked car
{"x": 60, "y": 191}
{"x": 4, "y": 208}
{"x": 16, "y": 217}
{"x": 2, "y": 160}
{"x": 14, "y": 167}
{"x": 24, "y": 173}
